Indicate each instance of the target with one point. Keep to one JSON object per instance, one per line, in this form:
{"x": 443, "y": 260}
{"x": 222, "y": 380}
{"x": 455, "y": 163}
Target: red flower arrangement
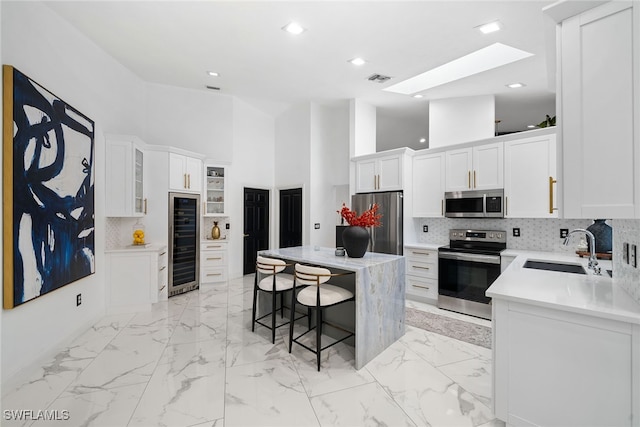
{"x": 368, "y": 218}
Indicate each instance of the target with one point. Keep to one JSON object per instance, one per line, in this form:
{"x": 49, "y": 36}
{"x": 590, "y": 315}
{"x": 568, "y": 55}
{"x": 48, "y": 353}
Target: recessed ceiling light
{"x": 417, "y": 96}
{"x": 423, "y": 140}
{"x": 358, "y": 61}
{"x": 487, "y": 58}
{"x": 490, "y": 27}
{"x": 516, "y": 85}
{"x": 213, "y": 74}
{"x": 294, "y": 28}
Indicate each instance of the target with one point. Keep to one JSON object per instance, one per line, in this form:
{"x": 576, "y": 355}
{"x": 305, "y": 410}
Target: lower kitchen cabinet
{"x": 554, "y": 367}
{"x": 213, "y": 261}
{"x": 136, "y": 278}
{"x": 421, "y": 273}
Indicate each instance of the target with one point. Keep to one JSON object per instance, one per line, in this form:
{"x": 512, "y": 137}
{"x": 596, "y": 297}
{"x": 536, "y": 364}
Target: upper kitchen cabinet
{"x": 475, "y": 168}
{"x": 185, "y": 173}
{"x": 124, "y": 181}
{"x": 381, "y": 171}
{"x": 599, "y": 68}
{"x": 215, "y": 189}
{"x": 530, "y": 177}
{"x": 428, "y": 185}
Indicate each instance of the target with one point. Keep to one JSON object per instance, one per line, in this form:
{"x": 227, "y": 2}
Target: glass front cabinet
{"x": 215, "y": 191}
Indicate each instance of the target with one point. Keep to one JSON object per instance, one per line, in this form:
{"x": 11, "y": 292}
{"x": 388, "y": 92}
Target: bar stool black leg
{"x": 274, "y": 310}
{"x": 282, "y": 305}
{"x": 293, "y": 316}
{"x": 318, "y": 340}
{"x": 255, "y": 301}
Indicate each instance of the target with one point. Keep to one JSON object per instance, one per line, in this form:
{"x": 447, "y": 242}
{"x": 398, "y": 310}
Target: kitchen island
{"x": 379, "y": 285}
{"x": 566, "y": 346}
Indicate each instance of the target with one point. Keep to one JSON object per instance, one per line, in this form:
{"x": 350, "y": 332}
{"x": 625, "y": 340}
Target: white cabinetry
{"x": 530, "y": 177}
{"x": 428, "y": 185}
{"x": 215, "y": 190}
{"x": 380, "y": 173}
{"x": 421, "y": 273}
{"x": 136, "y": 278}
{"x": 596, "y": 360}
{"x": 475, "y": 168}
{"x": 213, "y": 261}
{"x": 124, "y": 180}
{"x": 185, "y": 173}
{"x": 599, "y": 94}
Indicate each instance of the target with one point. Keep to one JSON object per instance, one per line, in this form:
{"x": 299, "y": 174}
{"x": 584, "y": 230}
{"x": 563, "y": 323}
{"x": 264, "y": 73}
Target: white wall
{"x": 47, "y": 49}
{"x": 193, "y": 120}
{"x": 362, "y": 134}
{"x": 292, "y": 160}
{"x": 253, "y": 166}
{"x": 457, "y": 120}
{"x": 329, "y": 170}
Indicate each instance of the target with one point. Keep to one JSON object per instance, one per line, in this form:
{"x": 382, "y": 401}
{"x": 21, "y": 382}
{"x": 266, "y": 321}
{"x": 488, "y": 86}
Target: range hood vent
{"x": 378, "y": 78}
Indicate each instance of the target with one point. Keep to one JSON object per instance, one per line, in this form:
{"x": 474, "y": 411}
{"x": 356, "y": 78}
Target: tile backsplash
{"x": 535, "y": 234}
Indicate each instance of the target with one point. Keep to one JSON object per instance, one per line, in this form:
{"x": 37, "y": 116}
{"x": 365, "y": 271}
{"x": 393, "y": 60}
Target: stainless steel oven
{"x": 474, "y": 204}
{"x": 466, "y": 269}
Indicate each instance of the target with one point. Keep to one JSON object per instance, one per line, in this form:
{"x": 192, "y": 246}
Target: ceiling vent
{"x": 213, "y": 88}
{"x": 378, "y": 78}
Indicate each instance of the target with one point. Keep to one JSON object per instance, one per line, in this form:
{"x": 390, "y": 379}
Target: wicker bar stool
{"x": 317, "y": 294}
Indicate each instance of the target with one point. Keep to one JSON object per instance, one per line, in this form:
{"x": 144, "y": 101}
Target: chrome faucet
{"x": 593, "y": 260}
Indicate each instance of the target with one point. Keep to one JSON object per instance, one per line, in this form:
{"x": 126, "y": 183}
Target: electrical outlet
{"x": 227, "y": 226}
{"x": 516, "y": 232}
{"x": 632, "y": 257}
{"x": 316, "y": 226}
{"x": 625, "y": 253}
{"x": 564, "y": 232}
{"x": 78, "y": 299}
{"x": 425, "y": 228}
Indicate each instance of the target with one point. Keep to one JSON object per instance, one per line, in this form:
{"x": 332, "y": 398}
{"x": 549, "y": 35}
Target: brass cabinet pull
{"x": 162, "y": 288}
{"x": 423, "y": 268}
{"x": 469, "y": 179}
{"x": 145, "y": 205}
{"x": 210, "y": 259}
{"x": 188, "y": 180}
{"x": 214, "y": 274}
{"x": 185, "y": 180}
{"x": 506, "y": 205}
{"x": 420, "y": 253}
{"x": 163, "y": 267}
{"x": 474, "y": 179}
{"x": 551, "y": 182}
{"x": 421, "y": 287}
{"x": 163, "y": 253}
{"x": 442, "y": 207}
{"x": 214, "y": 247}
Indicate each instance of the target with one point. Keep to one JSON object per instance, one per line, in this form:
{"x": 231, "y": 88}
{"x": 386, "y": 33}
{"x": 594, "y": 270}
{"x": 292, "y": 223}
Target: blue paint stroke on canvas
{"x": 53, "y": 198}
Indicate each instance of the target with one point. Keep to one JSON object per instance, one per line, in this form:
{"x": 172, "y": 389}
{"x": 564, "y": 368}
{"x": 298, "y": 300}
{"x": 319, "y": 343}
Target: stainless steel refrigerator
{"x": 387, "y": 238}
{"x": 184, "y": 243}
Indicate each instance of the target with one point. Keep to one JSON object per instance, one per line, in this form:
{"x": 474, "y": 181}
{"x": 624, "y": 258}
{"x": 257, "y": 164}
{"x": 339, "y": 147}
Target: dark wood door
{"x": 291, "y": 217}
{"x": 256, "y": 226}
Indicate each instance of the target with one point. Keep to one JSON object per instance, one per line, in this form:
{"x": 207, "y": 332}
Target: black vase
{"x": 602, "y": 232}
{"x": 355, "y": 240}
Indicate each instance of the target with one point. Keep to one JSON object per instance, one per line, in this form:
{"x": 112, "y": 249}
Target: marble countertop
{"x": 327, "y": 257}
{"x": 588, "y": 294}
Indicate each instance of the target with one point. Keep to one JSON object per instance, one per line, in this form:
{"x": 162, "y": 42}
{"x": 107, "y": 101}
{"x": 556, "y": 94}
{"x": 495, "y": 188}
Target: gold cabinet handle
{"x": 375, "y": 182}
{"x": 214, "y": 274}
{"x": 163, "y": 267}
{"x": 506, "y": 205}
{"x": 211, "y": 259}
{"x": 551, "y": 182}
{"x": 188, "y": 180}
{"x": 442, "y": 207}
{"x": 423, "y": 268}
{"x": 420, "y": 253}
{"x": 421, "y": 287}
{"x": 215, "y": 246}
{"x": 469, "y": 179}
{"x": 145, "y": 205}
{"x": 163, "y": 253}
{"x": 474, "y": 179}
{"x": 185, "y": 180}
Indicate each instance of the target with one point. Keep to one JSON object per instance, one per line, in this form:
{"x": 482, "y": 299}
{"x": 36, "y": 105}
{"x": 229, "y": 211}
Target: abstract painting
{"x": 48, "y": 198}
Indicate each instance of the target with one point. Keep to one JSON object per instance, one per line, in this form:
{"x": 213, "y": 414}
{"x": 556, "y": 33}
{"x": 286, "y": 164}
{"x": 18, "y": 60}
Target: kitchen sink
{"x": 555, "y": 266}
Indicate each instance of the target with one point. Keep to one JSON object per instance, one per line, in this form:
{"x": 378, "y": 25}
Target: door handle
{"x": 551, "y": 182}
{"x": 474, "y": 179}
{"x": 245, "y": 235}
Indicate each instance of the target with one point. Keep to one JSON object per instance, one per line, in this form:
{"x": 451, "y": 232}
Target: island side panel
{"x": 380, "y": 309}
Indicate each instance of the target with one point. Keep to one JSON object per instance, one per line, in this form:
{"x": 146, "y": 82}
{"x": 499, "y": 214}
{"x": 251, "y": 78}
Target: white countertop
{"x": 588, "y": 294}
{"x": 142, "y": 248}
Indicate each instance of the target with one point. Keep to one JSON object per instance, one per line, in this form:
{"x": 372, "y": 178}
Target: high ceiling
{"x": 177, "y": 42}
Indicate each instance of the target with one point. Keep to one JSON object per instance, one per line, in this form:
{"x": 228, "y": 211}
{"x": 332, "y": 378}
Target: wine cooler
{"x": 184, "y": 243}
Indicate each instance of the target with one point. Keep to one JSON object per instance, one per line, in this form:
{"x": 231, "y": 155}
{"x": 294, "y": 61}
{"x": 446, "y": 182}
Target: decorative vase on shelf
{"x": 215, "y": 231}
{"x": 355, "y": 240}
{"x": 603, "y": 234}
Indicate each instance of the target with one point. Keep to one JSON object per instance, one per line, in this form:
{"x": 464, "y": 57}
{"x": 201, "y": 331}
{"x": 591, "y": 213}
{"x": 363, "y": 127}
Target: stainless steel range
{"x": 466, "y": 269}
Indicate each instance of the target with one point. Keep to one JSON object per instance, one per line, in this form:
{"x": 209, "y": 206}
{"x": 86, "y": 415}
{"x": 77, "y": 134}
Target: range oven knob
{"x": 491, "y": 235}
{"x": 499, "y": 235}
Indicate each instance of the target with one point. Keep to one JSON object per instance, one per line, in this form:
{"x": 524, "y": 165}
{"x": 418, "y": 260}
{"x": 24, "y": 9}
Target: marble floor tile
{"x": 194, "y": 361}
{"x": 364, "y": 405}
{"x": 267, "y": 393}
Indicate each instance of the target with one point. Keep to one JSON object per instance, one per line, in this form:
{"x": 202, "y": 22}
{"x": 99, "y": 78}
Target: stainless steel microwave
{"x": 474, "y": 204}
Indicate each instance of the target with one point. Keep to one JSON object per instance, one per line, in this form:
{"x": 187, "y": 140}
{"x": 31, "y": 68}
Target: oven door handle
{"x": 487, "y": 259}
